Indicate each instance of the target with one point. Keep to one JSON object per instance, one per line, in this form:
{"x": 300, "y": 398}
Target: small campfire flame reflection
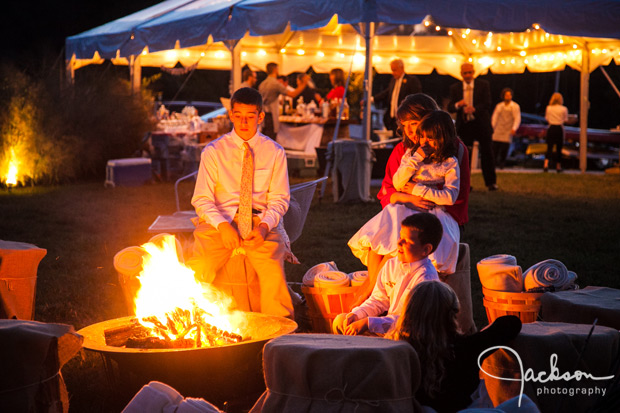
{"x": 176, "y": 311}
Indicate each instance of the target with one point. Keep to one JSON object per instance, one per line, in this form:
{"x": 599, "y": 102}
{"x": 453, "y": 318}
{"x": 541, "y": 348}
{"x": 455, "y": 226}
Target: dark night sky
{"x": 33, "y": 34}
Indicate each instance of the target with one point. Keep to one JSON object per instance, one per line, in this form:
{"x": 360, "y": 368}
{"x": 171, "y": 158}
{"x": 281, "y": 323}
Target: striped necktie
{"x": 245, "y": 194}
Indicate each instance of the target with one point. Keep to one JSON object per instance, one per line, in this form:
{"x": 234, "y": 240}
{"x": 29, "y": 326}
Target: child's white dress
{"x": 436, "y": 182}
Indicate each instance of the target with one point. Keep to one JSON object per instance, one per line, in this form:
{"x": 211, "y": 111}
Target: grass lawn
{"x": 571, "y": 218}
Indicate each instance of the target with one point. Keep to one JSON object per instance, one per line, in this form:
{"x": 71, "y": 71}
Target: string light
{"x": 202, "y": 54}
{"x": 536, "y": 26}
{"x": 283, "y": 50}
{"x": 427, "y": 23}
{"x": 244, "y": 54}
{"x": 261, "y": 52}
{"x": 522, "y": 53}
{"x": 499, "y": 49}
{"x": 320, "y": 54}
{"x": 301, "y": 52}
{"x": 437, "y": 28}
{"x": 449, "y": 32}
{"x": 219, "y": 54}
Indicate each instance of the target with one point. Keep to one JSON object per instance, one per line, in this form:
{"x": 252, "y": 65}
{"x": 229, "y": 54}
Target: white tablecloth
{"x": 300, "y": 138}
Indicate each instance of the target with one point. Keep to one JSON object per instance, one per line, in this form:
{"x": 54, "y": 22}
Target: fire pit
{"x": 185, "y": 334}
{"x": 217, "y": 374}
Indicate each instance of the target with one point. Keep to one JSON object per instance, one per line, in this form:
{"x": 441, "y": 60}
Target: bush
{"x": 65, "y": 134}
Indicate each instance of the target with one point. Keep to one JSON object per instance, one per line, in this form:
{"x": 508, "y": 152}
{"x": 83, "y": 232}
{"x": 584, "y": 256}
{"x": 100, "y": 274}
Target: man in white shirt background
{"x": 471, "y": 101}
{"x": 505, "y": 120}
{"x": 401, "y": 85}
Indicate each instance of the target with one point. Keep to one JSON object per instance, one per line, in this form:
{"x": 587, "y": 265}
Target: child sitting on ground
{"x": 419, "y": 236}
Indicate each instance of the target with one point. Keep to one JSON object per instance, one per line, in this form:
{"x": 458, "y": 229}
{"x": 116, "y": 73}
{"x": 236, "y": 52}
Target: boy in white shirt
{"x": 419, "y": 236}
{"x": 241, "y": 194}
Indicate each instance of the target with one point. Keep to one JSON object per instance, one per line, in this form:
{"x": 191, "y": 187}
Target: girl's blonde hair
{"x": 428, "y": 323}
{"x": 556, "y": 99}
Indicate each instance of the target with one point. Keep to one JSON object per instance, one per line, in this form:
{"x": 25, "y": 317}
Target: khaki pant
{"x": 210, "y": 255}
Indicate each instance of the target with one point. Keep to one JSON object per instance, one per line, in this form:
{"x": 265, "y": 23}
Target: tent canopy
{"x": 504, "y": 35}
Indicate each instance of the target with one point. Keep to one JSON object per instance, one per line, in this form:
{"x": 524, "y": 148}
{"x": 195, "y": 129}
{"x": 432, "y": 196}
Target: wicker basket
{"x": 324, "y": 304}
{"x": 526, "y": 306}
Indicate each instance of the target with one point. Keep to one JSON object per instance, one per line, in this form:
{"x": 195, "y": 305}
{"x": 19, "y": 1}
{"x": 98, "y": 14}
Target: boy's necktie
{"x": 245, "y": 194}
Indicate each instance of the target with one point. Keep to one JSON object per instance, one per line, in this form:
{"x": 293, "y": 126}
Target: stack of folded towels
{"x": 327, "y": 275}
{"x": 501, "y": 273}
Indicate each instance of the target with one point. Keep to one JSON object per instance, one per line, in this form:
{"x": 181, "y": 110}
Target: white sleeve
{"x": 378, "y": 302}
{"x": 516, "y": 114}
{"x": 279, "y": 196}
{"x": 450, "y": 191}
{"x": 408, "y": 166}
{"x": 204, "y": 191}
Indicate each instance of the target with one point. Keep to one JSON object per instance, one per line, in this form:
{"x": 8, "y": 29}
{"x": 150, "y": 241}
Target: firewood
{"x": 118, "y": 336}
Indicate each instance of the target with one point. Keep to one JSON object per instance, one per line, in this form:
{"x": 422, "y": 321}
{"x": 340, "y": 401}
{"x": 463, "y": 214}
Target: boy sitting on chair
{"x": 241, "y": 194}
{"x": 419, "y": 236}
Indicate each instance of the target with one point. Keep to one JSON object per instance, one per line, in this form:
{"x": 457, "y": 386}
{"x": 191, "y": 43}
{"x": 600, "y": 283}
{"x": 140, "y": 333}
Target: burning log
{"x": 119, "y": 336}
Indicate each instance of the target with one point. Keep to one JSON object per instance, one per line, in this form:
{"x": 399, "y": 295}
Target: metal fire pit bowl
{"x": 228, "y": 373}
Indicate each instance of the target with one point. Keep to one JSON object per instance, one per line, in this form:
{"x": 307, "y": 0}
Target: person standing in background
{"x": 401, "y": 86}
{"x": 270, "y": 89}
{"x": 471, "y": 101}
{"x": 337, "y": 80}
{"x": 556, "y": 114}
{"x": 505, "y": 121}
{"x": 248, "y": 77}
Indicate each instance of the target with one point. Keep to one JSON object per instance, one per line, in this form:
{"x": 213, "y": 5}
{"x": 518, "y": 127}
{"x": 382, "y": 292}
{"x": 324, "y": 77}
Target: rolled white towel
{"x": 309, "y": 276}
{"x": 358, "y": 278}
{"x": 500, "y": 273}
{"x": 154, "y": 397}
{"x": 549, "y": 273}
{"x": 159, "y": 239}
{"x": 331, "y": 279}
{"x": 128, "y": 261}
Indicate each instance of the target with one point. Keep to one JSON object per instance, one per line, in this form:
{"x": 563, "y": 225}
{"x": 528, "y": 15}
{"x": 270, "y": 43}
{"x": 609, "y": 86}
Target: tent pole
{"x": 235, "y": 70}
{"x": 584, "y": 105}
{"x": 135, "y": 74}
{"x": 369, "y": 32}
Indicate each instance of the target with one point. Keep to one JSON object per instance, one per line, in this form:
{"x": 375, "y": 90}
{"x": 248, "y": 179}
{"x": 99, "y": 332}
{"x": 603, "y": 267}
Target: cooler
{"x": 128, "y": 172}
{"x": 301, "y": 164}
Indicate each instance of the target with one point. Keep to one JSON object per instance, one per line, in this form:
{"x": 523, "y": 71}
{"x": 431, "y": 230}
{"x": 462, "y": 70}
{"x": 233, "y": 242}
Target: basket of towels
{"x": 329, "y": 292}
{"x": 508, "y": 290}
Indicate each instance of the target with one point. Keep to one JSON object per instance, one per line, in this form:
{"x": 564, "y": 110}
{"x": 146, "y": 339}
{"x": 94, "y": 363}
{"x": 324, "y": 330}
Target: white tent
{"x": 504, "y": 36}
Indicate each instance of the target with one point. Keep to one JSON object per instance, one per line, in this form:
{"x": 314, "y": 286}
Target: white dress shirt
{"x": 216, "y": 195}
{"x": 396, "y": 279}
{"x": 395, "y": 93}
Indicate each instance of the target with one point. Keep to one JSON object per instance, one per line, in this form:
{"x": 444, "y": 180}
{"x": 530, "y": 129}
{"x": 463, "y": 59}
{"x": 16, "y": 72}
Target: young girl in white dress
{"x": 430, "y": 171}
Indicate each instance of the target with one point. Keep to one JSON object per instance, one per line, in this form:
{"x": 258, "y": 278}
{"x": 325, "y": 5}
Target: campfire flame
{"x": 174, "y": 306}
{"x": 11, "y": 177}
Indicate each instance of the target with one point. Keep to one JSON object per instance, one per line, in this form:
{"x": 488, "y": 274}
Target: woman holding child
{"x": 441, "y": 166}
